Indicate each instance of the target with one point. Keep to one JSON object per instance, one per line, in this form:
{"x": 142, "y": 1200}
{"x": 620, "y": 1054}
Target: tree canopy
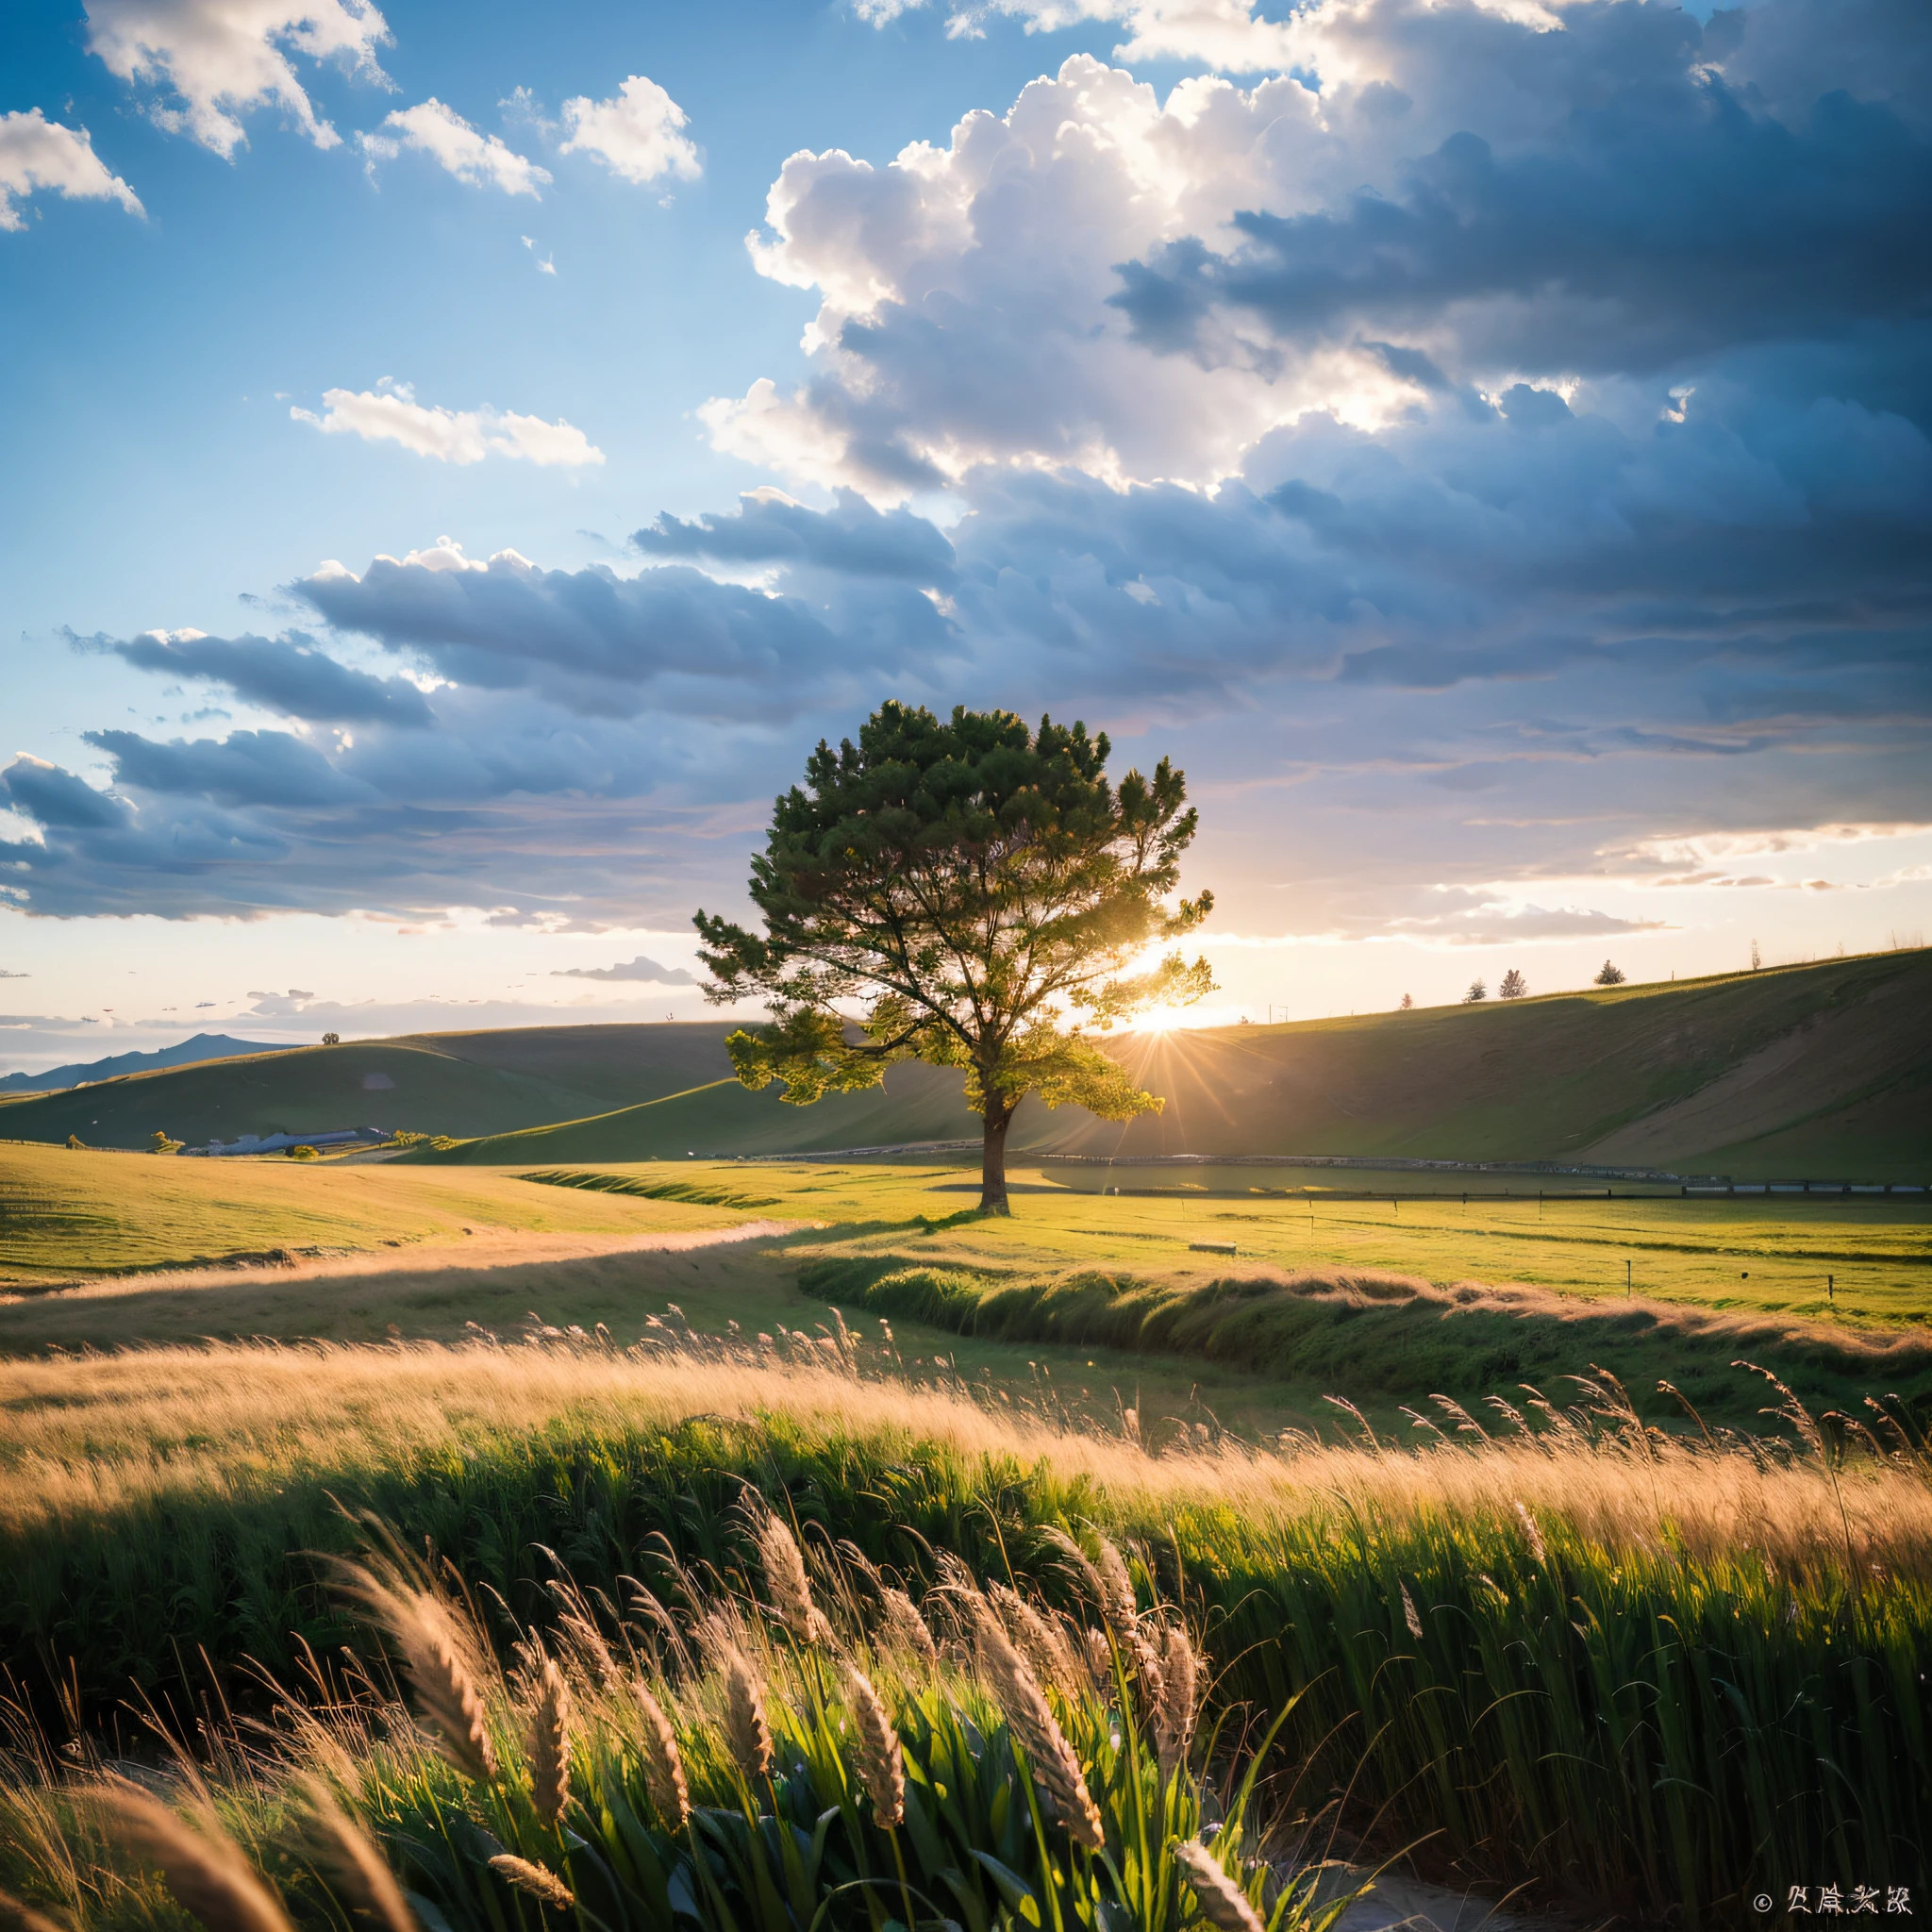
{"x": 984, "y": 897}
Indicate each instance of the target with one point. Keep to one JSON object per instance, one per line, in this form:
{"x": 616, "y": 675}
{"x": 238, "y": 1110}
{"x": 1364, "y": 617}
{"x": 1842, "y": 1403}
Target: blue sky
{"x": 464, "y": 457}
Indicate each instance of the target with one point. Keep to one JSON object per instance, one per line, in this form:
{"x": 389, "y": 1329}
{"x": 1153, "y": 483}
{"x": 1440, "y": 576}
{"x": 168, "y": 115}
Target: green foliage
{"x": 1610, "y": 976}
{"x": 1647, "y": 1723}
{"x": 896, "y": 1788}
{"x": 1477, "y": 992}
{"x": 1514, "y": 987}
{"x": 984, "y": 890}
{"x": 304, "y": 1153}
{"x": 331, "y": 1040}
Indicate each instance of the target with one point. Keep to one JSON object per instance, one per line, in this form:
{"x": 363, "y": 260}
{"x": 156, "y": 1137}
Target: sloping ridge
{"x": 1819, "y": 1071}
{"x": 1807, "y": 1070}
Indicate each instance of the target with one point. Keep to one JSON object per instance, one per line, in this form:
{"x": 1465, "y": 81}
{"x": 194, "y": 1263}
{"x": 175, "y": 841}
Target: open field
{"x": 1549, "y": 1657}
{"x": 1544, "y": 1642}
{"x": 1388, "y": 1301}
{"x": 1821, "y": 1071}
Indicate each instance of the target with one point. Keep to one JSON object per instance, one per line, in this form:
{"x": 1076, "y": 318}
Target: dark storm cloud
{"x": 853, "y": 538}
{"x": 1665, "y": 220}
{"x": 287, "y": 674}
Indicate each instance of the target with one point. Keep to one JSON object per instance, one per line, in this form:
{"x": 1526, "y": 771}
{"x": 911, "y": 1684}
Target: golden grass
{"x": 88, "y": 1438}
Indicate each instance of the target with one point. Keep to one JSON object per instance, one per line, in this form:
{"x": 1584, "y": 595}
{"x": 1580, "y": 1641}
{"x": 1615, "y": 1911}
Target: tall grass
{"x": 722, "y": 1759}
{"x": 1384, "y": 1334}
{"x": 1665, "y": 1672}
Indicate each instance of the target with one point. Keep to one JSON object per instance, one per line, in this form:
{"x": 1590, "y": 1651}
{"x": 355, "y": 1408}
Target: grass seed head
{"x": 1055, "y": 1769}
{"x": 537, "y": 1880}
{"x": 358, "y": 1867}
{"x": 1533, "y": 1530}
{"x": 1222, "y": 1903}
{"x": 746, "y": 1730}
{"x": 663, "y": 1768}
{"x": 881, "y": 1766}
{"x": 16, "y": 1915}
{"x": 1180, "y": 1698}
{"x": 204, "y": 1869}
{"x": 788, "y": 1584}
{"x": 906, "y": 1629}
{"x": 547, "y": 1744}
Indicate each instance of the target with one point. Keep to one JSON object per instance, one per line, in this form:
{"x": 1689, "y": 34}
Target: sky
{"x": 462, "y": 460}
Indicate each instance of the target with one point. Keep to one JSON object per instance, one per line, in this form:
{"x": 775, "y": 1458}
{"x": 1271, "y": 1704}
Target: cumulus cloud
{"x": 391, "y": 413}
{"x": 635, "y": 134}
{"x": 639, "y": 968}
{"x": 38, "y": 153}
{"x": 214, "y": 61}
{"x": 481, "y": 159}
{"x": 1485, "y": 427}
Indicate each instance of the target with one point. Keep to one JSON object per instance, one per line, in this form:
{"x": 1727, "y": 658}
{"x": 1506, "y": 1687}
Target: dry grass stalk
{"x": 547, "y": 1744}
{"x": 16, "y": 1915}
{"x": 1179, "y": 1705}
{"x": 746, "y": 1730}
{"x": 881, "y": 1767}
{"x": 537, "y": 1880}
{"x": 1123, "y": 1612}
{"x": 1533, "y": 1530}
{"x": 1222, "y": 1903}
{"x": 905, "y": 1628}
{"x": 95, "y": 1436}
{"x": 358, "y": 1867}
{"x": 1055, "y": 1769}
{"x": 789, "y": 1585}
{"x": 1410, "y": 1615}
{"x": 663, "y": 1767}
{"x": 204, "y": 1869}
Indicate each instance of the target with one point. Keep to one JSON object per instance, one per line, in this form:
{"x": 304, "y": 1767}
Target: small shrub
{"x": 304, "y": 1153}
{"x": 1478, "y": 990}
{"x": 75, "y": 1140}
{"x": 160, "y": 1144}
{"x": 1514, "y": 986}
{"x": 1610, "y": 976}
{"x": 331, "y": 1040}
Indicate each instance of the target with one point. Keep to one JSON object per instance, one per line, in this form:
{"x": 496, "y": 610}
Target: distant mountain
{"x": 204, "y": 1046}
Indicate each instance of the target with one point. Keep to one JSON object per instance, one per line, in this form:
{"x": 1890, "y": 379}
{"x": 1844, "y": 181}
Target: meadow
{"x": 1639, "y": 1658}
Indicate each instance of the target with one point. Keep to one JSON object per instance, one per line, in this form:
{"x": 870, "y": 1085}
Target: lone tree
{"x": 985, "y": 895}
{"x": 1514, "y": 986}
{"x": 1610, "y": 976}
{"x": 1478, "y": 990}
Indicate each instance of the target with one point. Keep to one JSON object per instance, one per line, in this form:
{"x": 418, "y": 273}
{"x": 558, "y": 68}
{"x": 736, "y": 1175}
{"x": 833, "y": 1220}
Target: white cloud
{"x": 224, "y": 58}
{"x": 635, "y": 134}
{"x": 547, "y": 264}
{"x": 1727, "y": 848}
{"x": 982, "y": 271}
{"x": 391, "y": 413}
{"x": 440, "y": 132}
{"x": 38, "y": 153}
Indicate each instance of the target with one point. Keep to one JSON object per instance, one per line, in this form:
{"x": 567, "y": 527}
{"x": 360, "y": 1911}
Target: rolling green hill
{"x": 1823, "y": 1070}
{"x": 1820, "y": 1069}
{"x": 440, "y": 1083}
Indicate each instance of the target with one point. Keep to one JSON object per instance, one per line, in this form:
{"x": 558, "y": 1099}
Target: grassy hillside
{"x": 1810, "y": 1069}
{"x": 1820, "y": 1070}
{"x": 1807, "y": 1069}
{"x": 444, "y": 1083}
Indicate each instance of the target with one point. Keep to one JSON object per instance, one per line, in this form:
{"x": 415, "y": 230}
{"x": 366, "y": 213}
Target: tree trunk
{"x": 993, "y": 1168}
